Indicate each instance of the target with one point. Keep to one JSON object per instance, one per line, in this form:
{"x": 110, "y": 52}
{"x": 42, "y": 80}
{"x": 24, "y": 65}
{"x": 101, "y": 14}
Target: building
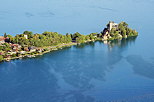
{"x": 2, "y": 53}
{"x": 22, "y": 52}
{"x": 32, "y": 49}
{"x": 106, "y": 32}
{"x": 40, "y": 50}
{"x": 26, "y": 36}
{"x": 2, "y": 40}
{"x": 112, "y": 25}
{"x": 15, "y": 47}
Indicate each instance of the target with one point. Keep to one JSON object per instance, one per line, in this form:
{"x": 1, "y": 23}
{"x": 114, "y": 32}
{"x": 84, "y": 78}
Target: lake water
{"x": 120, "y": 71}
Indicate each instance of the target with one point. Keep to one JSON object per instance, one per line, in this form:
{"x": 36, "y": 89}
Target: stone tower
{"x": 112, "y": 25}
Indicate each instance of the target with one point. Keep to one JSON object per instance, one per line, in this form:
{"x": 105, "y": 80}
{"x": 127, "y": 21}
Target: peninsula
{"x": 31, "y": 45}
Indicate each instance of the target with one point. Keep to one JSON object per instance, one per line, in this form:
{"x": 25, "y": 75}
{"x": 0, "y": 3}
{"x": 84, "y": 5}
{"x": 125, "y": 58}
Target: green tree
{"x": 5, "y": 35}
{"x": 1, "y": 58}
{"x": 113, "y": 31}
{"x": 80, "y": 39}
{"x": 29, "y": 33}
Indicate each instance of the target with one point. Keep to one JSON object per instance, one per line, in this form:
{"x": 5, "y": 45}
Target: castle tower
{"x": 112, "y": 25}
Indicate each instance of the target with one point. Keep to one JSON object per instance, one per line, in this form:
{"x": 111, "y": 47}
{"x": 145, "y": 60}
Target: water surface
{"x": 120, "y": 71}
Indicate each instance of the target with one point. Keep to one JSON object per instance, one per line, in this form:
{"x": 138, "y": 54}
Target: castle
{"x": 106, "y": 31}
{"x": 112, "y": 25}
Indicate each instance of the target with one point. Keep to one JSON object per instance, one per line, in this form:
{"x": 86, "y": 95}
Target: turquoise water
{"x": 121, "y": 71}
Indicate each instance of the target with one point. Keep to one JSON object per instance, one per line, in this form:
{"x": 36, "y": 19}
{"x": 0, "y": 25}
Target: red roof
{"x": 2, "y": 38}
{"x": 14, "y": 45}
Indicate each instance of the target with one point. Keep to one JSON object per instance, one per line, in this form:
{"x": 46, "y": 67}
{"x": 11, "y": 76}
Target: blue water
{"x": 120, "y": 71}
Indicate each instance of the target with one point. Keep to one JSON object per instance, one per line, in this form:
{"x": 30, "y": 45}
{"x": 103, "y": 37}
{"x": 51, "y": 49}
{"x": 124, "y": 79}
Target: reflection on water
{"x": 82, "y": 45}
{"x": 121, "y": 43}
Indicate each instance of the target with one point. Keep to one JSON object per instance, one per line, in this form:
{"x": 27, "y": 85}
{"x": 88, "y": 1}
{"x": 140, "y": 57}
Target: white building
{"x": 26, "y": 36}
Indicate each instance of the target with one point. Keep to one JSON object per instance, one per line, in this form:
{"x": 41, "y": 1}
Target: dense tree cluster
{"x": 123, "y": 30}
{"x": 28, "y": 39}
{"x": 79, "y": 38}
{"x": 40, "y": 40}
{"x": 1, "y": 58}
{"x": 5, "y": 47}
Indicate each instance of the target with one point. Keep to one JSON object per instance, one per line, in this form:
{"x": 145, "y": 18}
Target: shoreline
{"x": 50, "y": 48}
{"x": 30, "y": 45}
{"x": 54, "y": 48}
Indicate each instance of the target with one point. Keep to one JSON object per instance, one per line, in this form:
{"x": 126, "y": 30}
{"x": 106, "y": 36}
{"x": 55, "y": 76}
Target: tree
{"x": 1, "y": 48}
{"x": 1, "y": 58}
{"x": 76, "y": 35}
{"x": 87, "y": 37}
{"x": 5, "y": 35}
{"x": 80, "y": 39}
{"x": 124, "y": 24}
{"x": 30, "y": 34}
{"x": 123, "y": 32}
{"x": 113, "y": 31}
{"x": 10, "y": 36}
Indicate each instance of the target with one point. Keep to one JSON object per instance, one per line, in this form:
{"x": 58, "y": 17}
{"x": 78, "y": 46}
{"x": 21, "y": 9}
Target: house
{"x": 22, "y": 52}
{"x": 40, "y": 50}
{"x": 2, "y": 40}
{"x": 26, "y": 36}
{"x": 32, "y": 49}
{"x": 2, "y": 53}
{"x": 25, "y": 49}
{"x": 15, "y": 47}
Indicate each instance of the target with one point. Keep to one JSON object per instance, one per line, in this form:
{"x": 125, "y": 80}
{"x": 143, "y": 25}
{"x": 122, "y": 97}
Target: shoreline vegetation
{"x": 32, "y": 45}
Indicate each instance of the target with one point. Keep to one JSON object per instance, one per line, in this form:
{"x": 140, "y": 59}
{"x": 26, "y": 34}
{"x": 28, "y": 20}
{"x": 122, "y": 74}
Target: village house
{"x": 2, "y": 40}
{"x": 26, "y": 48}
{"x": 15, "y": 47}
{"x": 2, "y": 53}
{"x": 26, "y": 36}
{"x": 32, "y": 49}
{"x": 22, "y": 52}
{"x": 40, "y": 50}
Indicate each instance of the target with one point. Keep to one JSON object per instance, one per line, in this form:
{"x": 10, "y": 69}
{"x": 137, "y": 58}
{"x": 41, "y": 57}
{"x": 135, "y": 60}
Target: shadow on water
{"x": 26, "y": 82}
{"x": 141, "y": 66}
{"x": 31, "y": 81}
